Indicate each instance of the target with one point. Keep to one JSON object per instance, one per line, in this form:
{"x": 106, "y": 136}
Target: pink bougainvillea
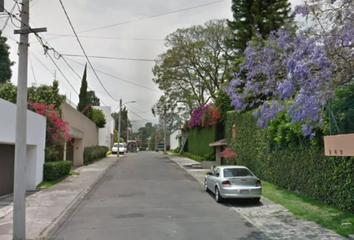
{"x": 57, "y": 130}
{"x": 228, "y": 154}
{"x": 204, "y": 116}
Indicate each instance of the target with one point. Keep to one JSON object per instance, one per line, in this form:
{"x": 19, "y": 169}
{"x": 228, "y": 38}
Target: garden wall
{"x": 306, "y": 169}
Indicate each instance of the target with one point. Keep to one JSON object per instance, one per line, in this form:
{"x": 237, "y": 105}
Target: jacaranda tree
{"x": 298, "y": 70}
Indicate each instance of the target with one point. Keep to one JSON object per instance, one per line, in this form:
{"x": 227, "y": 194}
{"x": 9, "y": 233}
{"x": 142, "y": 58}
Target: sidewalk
{"x": 271, "y": 218}
{"x": 46, "y": 207}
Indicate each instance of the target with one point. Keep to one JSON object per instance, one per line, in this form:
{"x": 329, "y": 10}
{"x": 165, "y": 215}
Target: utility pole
{"x": 120, "y": 118}
{"x": 165, "y": 123}
{"x": 19, "y": 212}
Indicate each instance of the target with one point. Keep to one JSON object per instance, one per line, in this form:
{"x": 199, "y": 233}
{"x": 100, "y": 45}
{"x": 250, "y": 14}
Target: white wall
{"x": 174, "y": 140}
{"x": 104, "y": 134}
{"x": 36, "y": 131}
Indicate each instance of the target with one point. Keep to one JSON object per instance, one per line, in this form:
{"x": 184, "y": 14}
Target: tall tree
{"x": 84, "y": 105}
{"x": 125, "y": 123}
{"x": 5, "y": 62}
{"x": 195, "y": 65}
{"x": 252, "y": 17}
{"x": 94, "y": 100}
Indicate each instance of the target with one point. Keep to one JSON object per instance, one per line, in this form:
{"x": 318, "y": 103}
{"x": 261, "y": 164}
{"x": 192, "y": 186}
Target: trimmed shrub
{"x": 55, "y": 170}
{"x": 93, "y": 154}
{"x": 194, "y": 157}
{"x": 304, "y": 169}
{"x": 199, "y": 140}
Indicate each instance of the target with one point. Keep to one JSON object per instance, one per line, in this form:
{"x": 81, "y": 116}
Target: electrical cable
{"x": 34, "y": 75}
{"x": 8, "y": 18}
{"x": 83, "y": 50}
{"x": 144, "y": 18}
{"x": 105, "y": 57}
{"x": 118, "y": 78}
{"x": 137, "y": 114}
{"x": 110, "y": 38}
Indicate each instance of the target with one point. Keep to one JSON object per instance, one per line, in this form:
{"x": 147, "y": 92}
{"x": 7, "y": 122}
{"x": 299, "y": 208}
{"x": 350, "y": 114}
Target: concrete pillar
{"x": 78, "y": 152}
{"x": 218, "y": 156}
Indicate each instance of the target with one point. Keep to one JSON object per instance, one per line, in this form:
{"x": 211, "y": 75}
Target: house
{"x": 36, "y": 135}
{"x": 174, "y": 140}
{"x": 83, "y": 131}
{"x": 105, "y": 135}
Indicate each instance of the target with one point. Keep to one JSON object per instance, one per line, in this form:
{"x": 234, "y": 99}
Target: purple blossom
{"x": 299, "y": 72}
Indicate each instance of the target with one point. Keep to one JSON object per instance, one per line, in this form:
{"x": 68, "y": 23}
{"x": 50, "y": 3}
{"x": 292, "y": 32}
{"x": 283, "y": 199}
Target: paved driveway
{"x": 146, "y": 196}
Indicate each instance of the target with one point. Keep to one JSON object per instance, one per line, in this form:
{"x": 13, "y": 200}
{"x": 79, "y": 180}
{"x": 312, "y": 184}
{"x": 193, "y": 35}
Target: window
{"x": 121, "y": 145}
{"x": 115, "y": 145}
{"x": 237, "y": 172}
{"x": 217, "y": 172}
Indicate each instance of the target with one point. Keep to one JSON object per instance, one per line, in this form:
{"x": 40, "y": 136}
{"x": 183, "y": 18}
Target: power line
{"x": 105, "y": 57}
{"x": 140, "y": 111}
{"x": 8, "y": 18}
{"x": 109, "y": 38}
{"x": 62, "y": 74}
{"x": 118, "y": 78}
{"x": 137, "y": 114}
{"x": 144, "y": 18}
{"x": 83, "y": 50}
{"x": 34, "y": 75}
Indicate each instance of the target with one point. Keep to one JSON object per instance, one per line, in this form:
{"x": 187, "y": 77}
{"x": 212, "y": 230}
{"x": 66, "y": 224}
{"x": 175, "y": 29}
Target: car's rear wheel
{"x": 218, "y": 198}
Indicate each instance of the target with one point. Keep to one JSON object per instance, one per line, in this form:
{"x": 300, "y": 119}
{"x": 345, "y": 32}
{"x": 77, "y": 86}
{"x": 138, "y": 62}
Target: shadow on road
{"x": 239, "y": 203}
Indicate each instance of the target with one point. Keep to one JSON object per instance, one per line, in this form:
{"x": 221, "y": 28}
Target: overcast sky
{"x": 137, "y": 37}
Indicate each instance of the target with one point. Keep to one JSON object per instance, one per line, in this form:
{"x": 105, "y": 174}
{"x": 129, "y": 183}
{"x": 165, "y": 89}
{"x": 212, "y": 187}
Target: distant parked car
{"x": 233, "y": 182}
{"x": 122, "y": 149}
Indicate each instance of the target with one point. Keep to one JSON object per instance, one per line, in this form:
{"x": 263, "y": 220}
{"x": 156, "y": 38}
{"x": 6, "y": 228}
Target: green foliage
{"x": 256, "y": 16}
{"x": 8, "y": 92}
{"x": 192, "y": 156}
{"x": 46, "y": 94}
{"x": 55, "y": 170}
{"x": 342, "y": 111}
{"x": 124, "y": 124}
{"x": 304, "y": 168}
{"x": 92, "y": 154}
{"x": 53, "y": 153}
{"x": 42, "y": 94}
{"x": 93, "y": 99}
{"x": 84, "y": 105}
{"x": 99, "y": 118}
{"x": 116, "y": 136}
{"x": 142, "y": 149}
{"x": 5, "y": 62}
{"x": 199, "y": 140}
{"x": 210, "y": 156}
{"x": 152, "y": 141}
{"x": 223, "y": 103}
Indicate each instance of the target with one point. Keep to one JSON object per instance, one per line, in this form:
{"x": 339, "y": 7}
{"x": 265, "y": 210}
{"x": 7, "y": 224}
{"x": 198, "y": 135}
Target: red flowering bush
{"x": 57, "y": 130}
{"x": 229, "y": 155}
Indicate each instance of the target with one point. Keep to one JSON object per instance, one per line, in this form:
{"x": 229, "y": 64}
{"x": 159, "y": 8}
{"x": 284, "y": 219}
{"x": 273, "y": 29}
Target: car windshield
{"x": 115, "y": 145}
{"x": 121, "y": 145}
{"x": 237, "y": 172}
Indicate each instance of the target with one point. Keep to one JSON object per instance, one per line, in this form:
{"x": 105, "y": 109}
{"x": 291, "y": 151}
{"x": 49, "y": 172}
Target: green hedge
{"x": 55, "y": 170}
{"x": 191, "y": 156}
{"x": 199, "y": 140}
{"x": 92, "y": 154}
{"x": 305, "y": 169}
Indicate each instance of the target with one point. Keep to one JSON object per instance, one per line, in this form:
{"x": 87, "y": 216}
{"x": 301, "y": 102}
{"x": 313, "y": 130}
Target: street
{"x": 147, "y": 196}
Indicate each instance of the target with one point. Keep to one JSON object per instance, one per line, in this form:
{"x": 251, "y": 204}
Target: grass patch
{"x": 48, "y": 184}
{"x": 310, "y": 209}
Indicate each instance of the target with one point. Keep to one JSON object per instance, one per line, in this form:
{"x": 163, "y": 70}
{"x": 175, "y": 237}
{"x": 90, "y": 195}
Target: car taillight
{"x": 258, "y": 183}
{"x": 226, "y": 183}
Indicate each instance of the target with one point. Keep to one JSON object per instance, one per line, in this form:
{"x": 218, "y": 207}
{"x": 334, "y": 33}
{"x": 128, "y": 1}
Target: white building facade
{"x": 36, "y": 135}
{"x": 105, "y": 134}
{"x": 174, "y": 140}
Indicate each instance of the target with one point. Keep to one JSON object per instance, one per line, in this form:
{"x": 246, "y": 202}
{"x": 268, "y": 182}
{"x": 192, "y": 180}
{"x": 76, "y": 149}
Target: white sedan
{"x": 233, "y": 182}
{"x": 122, "y": 149}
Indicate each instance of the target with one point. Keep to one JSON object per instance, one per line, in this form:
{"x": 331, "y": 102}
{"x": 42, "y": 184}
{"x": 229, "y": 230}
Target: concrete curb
{"x": 58, "y": 221}
{"x": 181, "y": 166}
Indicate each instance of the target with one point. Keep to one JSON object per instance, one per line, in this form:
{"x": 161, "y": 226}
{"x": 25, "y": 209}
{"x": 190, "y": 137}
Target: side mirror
{"x": 209, "y": 173}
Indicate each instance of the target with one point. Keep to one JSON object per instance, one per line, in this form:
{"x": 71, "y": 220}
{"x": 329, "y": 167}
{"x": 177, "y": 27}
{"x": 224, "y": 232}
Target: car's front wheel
{"x": 206, "y": 186}
{"x": 218, "y": 198}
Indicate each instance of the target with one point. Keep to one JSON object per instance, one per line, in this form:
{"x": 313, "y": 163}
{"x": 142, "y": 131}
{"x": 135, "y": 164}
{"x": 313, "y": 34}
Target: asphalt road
{"x": 146, "y": 196}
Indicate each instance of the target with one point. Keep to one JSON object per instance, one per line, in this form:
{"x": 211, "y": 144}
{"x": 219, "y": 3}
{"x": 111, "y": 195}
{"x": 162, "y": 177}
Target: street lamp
{"x": 119, "y": 122}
